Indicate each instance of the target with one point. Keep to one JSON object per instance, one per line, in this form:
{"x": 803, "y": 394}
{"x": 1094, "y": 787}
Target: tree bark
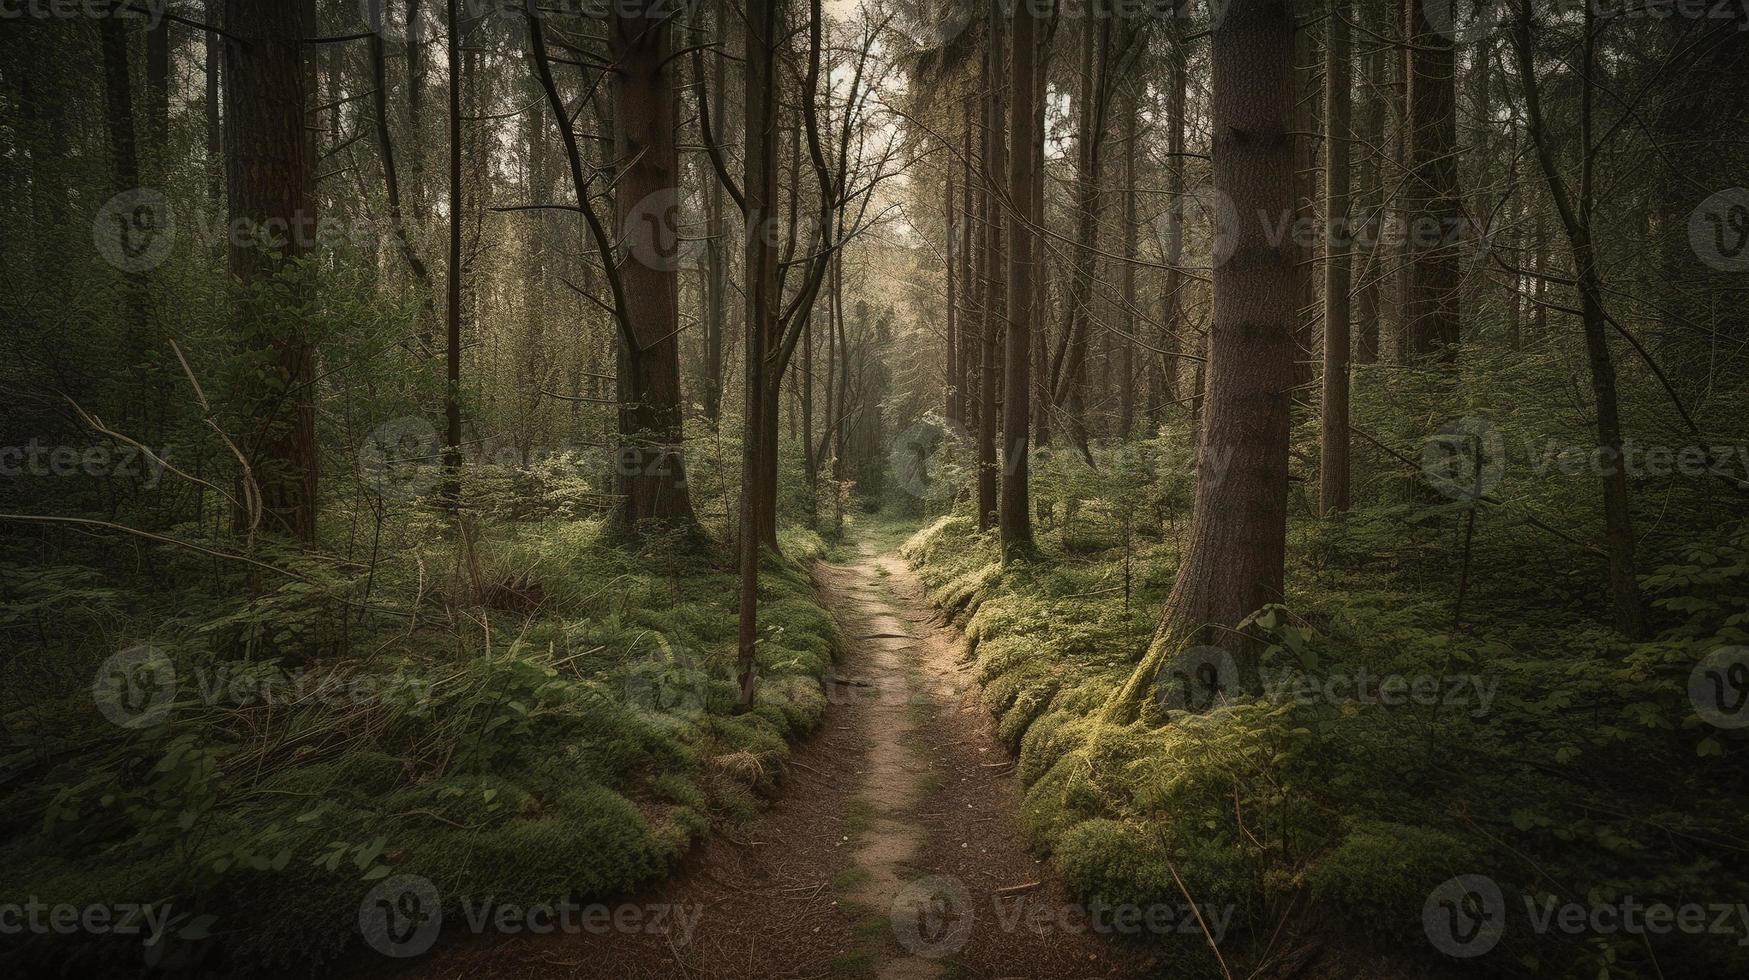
{"x": 269, "y": 188}
{"x": 760, "y": 286}
{"x": 1430, "y": 306}
{"x": 652, "y": 472}
{"x": 1333, "y": 470}
{"x": 1233, "y": 564}
{"x": 1024, "y": 164}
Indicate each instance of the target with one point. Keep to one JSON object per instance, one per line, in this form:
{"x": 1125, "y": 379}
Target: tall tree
{"x": 759, "y": 283}
{"x": 269, "y": 187}
{"x": 1233, "y": 563}
{"x": 1435, "y": 212}
{"x": 1574, "y": 208}
{"x": 1333, "y": 471}
{"x": 652, "y": 473}
{"x": 452, "y": 311}
{"x": 1025, "y": 162}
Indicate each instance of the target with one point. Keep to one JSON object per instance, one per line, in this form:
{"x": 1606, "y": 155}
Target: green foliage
{"x": 573, "y": 744}
{"x": 1550, "y": 754}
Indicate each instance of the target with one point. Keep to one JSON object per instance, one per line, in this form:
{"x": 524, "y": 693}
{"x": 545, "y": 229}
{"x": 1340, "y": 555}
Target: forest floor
{"x": 893, "y": 850}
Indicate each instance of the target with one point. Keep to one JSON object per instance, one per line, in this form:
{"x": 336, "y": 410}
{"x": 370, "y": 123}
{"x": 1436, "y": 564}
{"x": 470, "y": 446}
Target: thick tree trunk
{"x": 760, "y": 275}
{"x": 1333, "y": 469}
{"x": 716, "y": 253}
{"x": 992, "y": 321}
{"x": 1172, "y": 337}
{"x": 1126, "y": 351}
{"x": 953, "y": 231}
{"x": 452, "y": 394}
{"x": 1025, "y": 162}
{"x": 1430, "y": 310}
{"x": 269, "y": 187}
{"x": 652, "y": 474}
{"x": 1233, "y": 564}
{"x": 215, "y": 134}
{"x": 1372, "y": 205}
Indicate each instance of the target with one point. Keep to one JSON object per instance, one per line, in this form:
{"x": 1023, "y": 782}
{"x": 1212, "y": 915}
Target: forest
{"x": 1228, "y": 489}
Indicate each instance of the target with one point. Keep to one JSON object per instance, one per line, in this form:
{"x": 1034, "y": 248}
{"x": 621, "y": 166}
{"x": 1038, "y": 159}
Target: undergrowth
{"x": 537, "y": 715}
{"x": 1398, "y": 741}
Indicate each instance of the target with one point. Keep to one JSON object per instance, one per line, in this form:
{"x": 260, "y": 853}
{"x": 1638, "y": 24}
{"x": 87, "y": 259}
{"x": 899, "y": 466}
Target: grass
{"x": 574, "y": 737}
{"x": 1586, "y": 778}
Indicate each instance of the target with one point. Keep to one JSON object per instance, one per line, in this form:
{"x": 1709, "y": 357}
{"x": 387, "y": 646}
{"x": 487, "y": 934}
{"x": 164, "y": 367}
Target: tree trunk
{"x": 1575, "y": 215}
{"x": 1430, "y": 307}
{"x": 452, "y": 394}
{"x": 993, "y": 143}
{"x": 716, "y": 250}
{"x": 1372, "y": 203}
{"x": 652, "y": 474}
{"x": 951, "y": 246}
{"x": 1233, "y": 564}
{"x": 1333, "y": 469}
{"x": 269, "y": 187}
{"x": 760, "y": 287}
{"x": 1126, "y": 350}
{"x": 1024, "y": 163}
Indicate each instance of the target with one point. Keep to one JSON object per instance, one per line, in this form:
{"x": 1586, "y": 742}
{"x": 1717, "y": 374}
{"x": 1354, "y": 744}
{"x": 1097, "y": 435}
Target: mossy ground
{"x": 572, "y": 737}
{"x": 1586, "y": 777}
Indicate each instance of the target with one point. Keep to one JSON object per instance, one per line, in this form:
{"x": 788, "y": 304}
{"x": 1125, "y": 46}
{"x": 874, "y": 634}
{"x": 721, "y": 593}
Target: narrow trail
{"x": 892, "y": 851}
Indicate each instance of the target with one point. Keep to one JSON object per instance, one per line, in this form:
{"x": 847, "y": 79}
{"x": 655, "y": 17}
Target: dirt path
{"x": 893, "y": 850}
